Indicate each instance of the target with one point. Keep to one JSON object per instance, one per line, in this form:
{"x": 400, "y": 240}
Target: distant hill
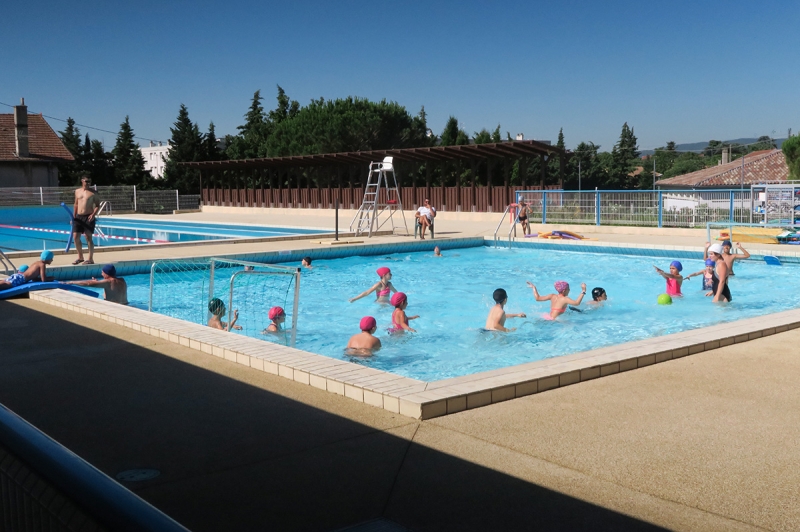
{"x": 700, "y": 146}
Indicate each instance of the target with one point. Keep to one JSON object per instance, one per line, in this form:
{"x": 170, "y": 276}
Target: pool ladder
{"x": 512, "y": 232}
{"x": 5, "y": 262}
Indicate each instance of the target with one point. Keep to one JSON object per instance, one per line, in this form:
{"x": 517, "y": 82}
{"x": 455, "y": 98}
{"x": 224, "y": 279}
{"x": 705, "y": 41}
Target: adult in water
{"x": 382, "y": 288}
{"x": 115, "y": 289}
{"x": 729, "y": 257}
{"x": 719, "y": 279}
{"x": 560, "y": 300}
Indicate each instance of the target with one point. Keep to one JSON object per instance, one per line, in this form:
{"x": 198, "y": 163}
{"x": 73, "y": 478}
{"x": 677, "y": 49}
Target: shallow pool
{"x": 452, "y": 295}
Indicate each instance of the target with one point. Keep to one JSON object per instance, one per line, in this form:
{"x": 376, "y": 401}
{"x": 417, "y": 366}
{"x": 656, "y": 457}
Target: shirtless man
{"x": 84, "y": 212}
{"x": 115, "y": 289}
{"x": 496, "y": 320}
{"x": 35, "y": 272}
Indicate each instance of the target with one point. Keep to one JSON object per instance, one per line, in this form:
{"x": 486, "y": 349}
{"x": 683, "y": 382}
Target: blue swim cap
{"x": 46, "y": 255}
{"x": 23, "y": 268}
{"x": 710, "y": 262}
{"x": 677, "y": 264}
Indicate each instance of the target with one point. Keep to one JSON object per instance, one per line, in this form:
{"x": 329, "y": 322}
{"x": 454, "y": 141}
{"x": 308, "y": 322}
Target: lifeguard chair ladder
{"x": 368, "y": 218}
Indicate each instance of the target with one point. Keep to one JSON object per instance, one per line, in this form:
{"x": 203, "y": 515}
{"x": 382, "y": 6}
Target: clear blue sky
{"x": 683, "y": 70}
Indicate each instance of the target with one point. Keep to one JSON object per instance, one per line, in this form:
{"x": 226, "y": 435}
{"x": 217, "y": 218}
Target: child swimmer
{"x": 560, "y": 300}
{"x": 496, "y": 320}
{"x": 382, "y": 288}
{"x": 674, "y": 277}
{"x": 364, "y": 343}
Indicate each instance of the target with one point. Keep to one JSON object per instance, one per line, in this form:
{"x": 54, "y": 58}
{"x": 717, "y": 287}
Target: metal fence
{"x": 674, "y": 208}
{"x": 120, "y": 199}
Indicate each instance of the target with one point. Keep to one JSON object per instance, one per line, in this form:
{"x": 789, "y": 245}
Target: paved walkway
{"x": 705, "y": 442}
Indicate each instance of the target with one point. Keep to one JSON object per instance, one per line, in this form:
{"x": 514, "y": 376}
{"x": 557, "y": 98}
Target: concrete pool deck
{"x": 698, "y": 443}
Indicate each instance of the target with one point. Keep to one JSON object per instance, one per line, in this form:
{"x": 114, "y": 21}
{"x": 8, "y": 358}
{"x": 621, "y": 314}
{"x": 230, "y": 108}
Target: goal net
{"x": 183, "y": 288}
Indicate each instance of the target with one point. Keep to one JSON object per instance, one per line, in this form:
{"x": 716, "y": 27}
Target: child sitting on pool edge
{"x": 674, "y": 277}
{"x": 399, "y": 318}
{"x": 278, "y": 316}
{"x": 708, "y": 276}
{"x": 217, "y": 308}
{"x": 558, "y": 301}
{"x": 496, "y": 320}
{"x": 364, "y": 343}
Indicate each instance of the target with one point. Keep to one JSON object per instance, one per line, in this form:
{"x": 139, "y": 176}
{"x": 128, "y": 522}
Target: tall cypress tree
{"x": 69, "y": 173}
{"x": 186, "y": 145}
{"x": 624, "y": 156}
{"x": 210, "y": 149}
{"x": 128, "y": 160}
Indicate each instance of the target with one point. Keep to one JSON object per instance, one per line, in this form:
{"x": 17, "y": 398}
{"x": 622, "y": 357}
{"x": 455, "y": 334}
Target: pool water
{"x": 48, "y": 227}
{"x": 453, "y": 294}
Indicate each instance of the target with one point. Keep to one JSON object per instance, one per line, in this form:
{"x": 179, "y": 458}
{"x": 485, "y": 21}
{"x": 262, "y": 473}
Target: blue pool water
{"x": 35, "y": 228}
{"x": 452, "y": 295}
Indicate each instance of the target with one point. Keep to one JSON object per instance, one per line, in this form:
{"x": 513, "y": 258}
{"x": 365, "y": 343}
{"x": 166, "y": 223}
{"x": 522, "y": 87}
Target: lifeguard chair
{"x": 376, "y": 211}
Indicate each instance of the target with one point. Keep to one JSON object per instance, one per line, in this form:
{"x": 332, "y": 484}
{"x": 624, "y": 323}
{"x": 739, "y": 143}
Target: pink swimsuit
{"x": 673, "y": 288}
{"x": 397, "y": 327}
{"x": 385, "y": 292}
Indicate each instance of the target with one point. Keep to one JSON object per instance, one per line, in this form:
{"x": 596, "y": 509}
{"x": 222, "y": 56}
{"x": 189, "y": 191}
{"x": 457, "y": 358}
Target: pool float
{"x": 34, "y": 286}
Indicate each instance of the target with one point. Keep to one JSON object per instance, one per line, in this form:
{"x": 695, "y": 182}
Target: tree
{"x": 685, "y": 163}
{"x": 791, "y": 150}
{"x": 452, "y": 134}
{"x": 128, "y": 160}
{"x": 624, "y": 157}
{"x": 286, "y": 108}
{"x": 210, "y": 149}
{"x": 70, "y": 173}
{"x": 251, "y": 142}
{"x": 186, "y": 145}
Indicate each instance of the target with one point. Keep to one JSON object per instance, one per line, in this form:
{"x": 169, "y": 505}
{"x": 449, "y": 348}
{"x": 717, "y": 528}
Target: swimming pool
{"x": 452, "y": 295}
{"x": 47, "y": 227}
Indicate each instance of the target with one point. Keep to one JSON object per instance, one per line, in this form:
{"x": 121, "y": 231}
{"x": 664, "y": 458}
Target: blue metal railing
{"x": 97, "y": 495}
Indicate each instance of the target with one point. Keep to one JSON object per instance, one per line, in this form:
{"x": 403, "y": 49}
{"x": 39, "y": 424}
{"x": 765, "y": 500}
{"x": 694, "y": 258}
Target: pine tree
{"x": 210, "y": 149}
{"x": 70, "y": 173}
{"x": 186, "y": 145}
{"x": 624, "y": 156}
{"x": 251, "y": 142}
{"x": 128, "y": 160}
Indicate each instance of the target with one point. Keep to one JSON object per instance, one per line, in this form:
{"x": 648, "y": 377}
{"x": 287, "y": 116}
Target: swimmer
{"x": 674, "y": 277}
{"x": 560, "y": 300}
{"x": 278, "y": 316}
{"x": 249, "y": 268}
{"x": 217, "y": 308}
{"x": 719, "y": 287}
{"x": 35, "y": 272}
{"x": 522, "y": 216}
{"x": 399, "y": 318}
{"x": 437, "y": 252}
{"x": 598, "y": 296}
{"x": 382, "y": 288}
{"x": 306, "y": 263}
{"x": 729, "y": 257}
{"x": 496, "y": 320}
{"x": 708, "y": 276}
{"x": 115, "y": 289}
{"x": 364, "y": 343}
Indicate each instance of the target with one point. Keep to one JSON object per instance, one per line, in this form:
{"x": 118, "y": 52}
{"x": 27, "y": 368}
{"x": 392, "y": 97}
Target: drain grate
{"x": 137, "y": 475}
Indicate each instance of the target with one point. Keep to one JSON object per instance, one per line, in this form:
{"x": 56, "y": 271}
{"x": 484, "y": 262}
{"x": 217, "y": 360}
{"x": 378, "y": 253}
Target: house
{"x": 155, "y": 157}
{"x": 765, "y": 166}
{"x": 30, "y": 151}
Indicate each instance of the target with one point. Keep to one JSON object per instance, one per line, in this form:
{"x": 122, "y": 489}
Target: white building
{"x": 155, "y": 158}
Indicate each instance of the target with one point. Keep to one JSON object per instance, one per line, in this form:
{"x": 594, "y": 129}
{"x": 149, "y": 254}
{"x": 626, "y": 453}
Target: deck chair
{"x": 418, "y": 228}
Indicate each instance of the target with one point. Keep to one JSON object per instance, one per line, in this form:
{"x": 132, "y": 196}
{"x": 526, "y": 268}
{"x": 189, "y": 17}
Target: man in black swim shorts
{"x": 83, "y": 218}
{"x": 523, "y": 217}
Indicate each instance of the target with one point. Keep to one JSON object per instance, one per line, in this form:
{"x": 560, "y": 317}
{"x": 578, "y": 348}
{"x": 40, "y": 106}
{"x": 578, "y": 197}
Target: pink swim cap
{"x": 398, "y": 298}
{"x": 383, "y": 270}
{"x": 275, "y": 312}
{"x": 561, "y": 286}
{"x": 367, "y": 323}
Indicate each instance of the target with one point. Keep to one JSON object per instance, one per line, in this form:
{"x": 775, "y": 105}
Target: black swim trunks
{"x": 522, "y": 218}
{"x": 82, "y": 225}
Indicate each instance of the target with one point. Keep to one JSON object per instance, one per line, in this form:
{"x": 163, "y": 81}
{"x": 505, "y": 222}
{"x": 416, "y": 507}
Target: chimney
{"x": 520, "y": 136}
{"x": 21, "y": 128}
{"x": 725, "y": 156}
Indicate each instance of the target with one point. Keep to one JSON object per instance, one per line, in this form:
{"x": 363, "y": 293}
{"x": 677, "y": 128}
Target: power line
{"x": 85, "y": 126}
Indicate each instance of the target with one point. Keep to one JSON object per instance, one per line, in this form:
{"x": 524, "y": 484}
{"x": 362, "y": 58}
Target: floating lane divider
{"x": 62, "y": 232}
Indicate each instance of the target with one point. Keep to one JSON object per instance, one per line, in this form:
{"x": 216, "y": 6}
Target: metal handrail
{"x": 501, "y": 223}
{"x": 9, "y": 268}
{"x": 513, "y": 229}
{"x": 111, "y": 504}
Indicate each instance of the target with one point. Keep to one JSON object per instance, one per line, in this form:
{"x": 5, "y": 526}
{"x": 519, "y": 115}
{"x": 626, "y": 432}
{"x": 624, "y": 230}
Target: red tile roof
{"x": 43, "y": 142}
{"x": 759, "y": 167}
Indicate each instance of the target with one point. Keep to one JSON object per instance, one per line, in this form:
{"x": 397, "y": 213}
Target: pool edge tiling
{"x": 415, "y": 398}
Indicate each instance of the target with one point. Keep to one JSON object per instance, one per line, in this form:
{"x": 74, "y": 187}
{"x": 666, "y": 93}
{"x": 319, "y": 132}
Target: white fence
{"x": 120, "y": 199}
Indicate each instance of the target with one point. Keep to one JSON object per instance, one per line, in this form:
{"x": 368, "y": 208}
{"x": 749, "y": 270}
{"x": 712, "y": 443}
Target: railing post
{"x": 596, "y": 207}
{"x": 177, "y": 201}
{"x": 134, "y": 198}
{"x": 731, "y": 217}
{"x": 41, "y": 196}
{"x": 544, "y": 207}
{"x": 660, "y": 209}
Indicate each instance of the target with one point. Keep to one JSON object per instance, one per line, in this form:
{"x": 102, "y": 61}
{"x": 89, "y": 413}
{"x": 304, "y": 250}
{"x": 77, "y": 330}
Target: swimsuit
{"x": 16, "y": 280}
{"x": 384, "y": 293}
{"x": 82, "y": 225}
{"x": 708, "y": 281}
{"x": 726, "y": 292}
{"x": 673, "y": 288}
{"x": 397, "y": 327}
